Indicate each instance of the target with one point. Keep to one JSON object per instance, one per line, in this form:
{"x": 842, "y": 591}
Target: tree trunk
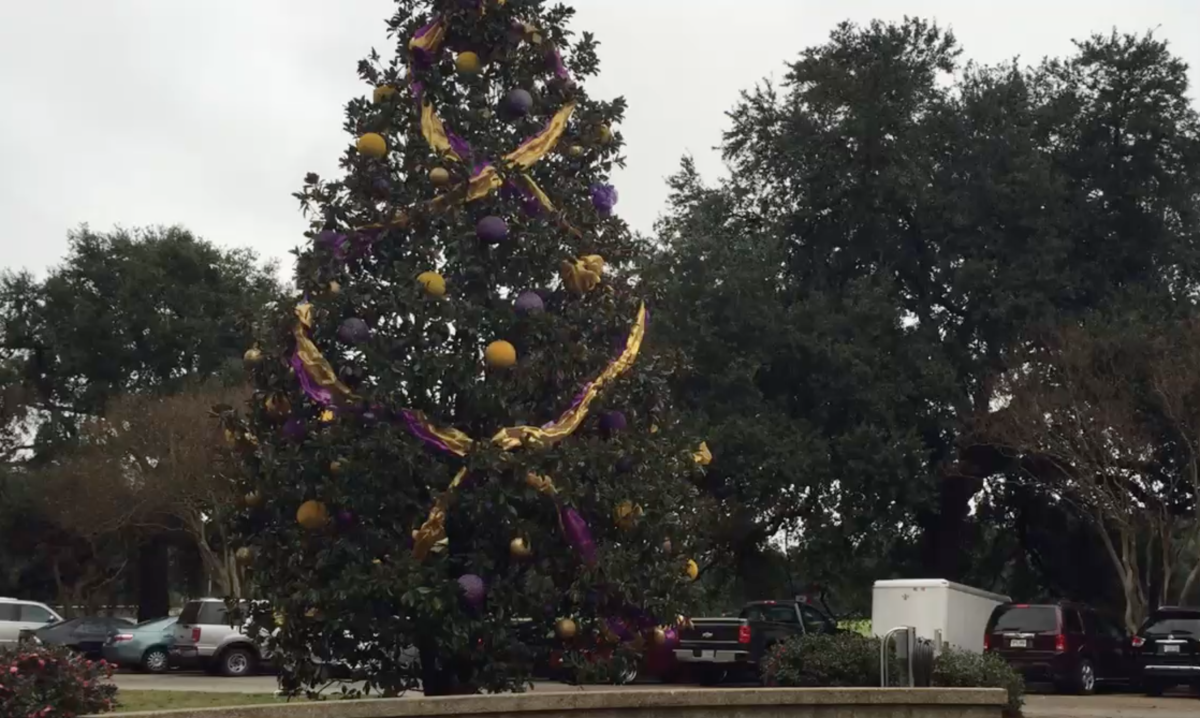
{"x": 442, "y": 677}
{"x": 1188, "y": 584}
{"x": 154, "y": 596}
{"x": 945, "y": 533}
{"x": 192, "y": 568}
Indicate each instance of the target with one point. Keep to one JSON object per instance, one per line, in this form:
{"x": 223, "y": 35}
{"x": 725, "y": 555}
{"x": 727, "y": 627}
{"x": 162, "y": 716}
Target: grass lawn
{"x": 168, "y": 700}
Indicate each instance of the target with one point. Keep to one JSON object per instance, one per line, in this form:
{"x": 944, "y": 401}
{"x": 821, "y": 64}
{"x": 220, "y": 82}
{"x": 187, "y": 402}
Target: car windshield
{"x": 1025, "y": 619}
{"x": 1179, "y": 623}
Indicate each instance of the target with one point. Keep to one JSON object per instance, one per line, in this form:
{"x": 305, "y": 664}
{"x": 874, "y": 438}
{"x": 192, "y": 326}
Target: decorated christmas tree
{"x": 458, "y": 446}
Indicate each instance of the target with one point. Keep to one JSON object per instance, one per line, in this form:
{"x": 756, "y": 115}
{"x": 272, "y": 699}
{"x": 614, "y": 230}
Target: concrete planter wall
{"x": 672, "y": 703}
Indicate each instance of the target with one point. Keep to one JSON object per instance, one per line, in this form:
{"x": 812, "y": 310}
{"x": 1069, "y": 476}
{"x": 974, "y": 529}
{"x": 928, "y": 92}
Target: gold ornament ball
{"x": 335, "y": 288}
{"x": 253, "y": 499}
{"x": 519, "y": 548}
{"x": 467, "y": 63}
{"x": 312, "y": 515}
{"x": 604, "y": 134}
{"x": 382, "y": 94}
{"x": 252, "y": 356}
{"x": 692, "y": 569}
{"x": 439, "y": 176}
{"x": 500, "y": 354}
{"x": 372, "y": 144}
{"x": 575, "y": 151}
{"x": 626, "y": 514}
{"x": 434, "y": 284}
{"x": 565, "y": 628}
{"x": 278, "y": 406}
{"x": 335, "y": 466}
{"x": 244, "y": 555}
{"x": 659, "y": 637}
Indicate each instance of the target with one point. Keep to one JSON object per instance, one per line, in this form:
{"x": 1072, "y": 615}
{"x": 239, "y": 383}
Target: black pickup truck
{"x": 716, "y": 648}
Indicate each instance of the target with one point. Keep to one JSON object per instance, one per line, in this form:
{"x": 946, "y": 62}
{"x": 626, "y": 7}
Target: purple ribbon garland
{"x": 422, "y": 432}
{"x": 317, "y": 393}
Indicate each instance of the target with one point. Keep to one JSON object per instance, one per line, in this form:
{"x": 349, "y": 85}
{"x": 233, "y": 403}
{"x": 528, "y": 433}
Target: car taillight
{"x": 1137, "y": 641}
{"x": 1060, "y": 643}
{"x": 196, "y": 635}
{"x": 122, "y": 637}
{"x": 743, "y": 634}
{"x": 987, "y": 641}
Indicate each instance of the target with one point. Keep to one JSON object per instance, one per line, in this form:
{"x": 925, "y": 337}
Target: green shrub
{"x": 964, "y": 669}
{"x": 841, "y": 659}
{"x": 41, "y": 682}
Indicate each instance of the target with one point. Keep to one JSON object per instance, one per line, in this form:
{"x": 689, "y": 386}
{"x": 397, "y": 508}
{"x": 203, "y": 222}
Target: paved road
{"x": 1037, "y": 706}
{"x": 1111, "y": 706}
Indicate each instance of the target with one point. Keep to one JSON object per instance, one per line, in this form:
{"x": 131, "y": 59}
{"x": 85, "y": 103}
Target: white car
{"x": 18, "y": 616}
{"x": 204, "y": 634}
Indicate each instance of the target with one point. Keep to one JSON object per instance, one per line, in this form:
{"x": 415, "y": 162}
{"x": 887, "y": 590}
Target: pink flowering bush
{"x": 41, "y": 682}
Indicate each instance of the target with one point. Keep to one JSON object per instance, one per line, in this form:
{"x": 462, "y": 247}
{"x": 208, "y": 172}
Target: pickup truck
{"x": 715, "y": 648}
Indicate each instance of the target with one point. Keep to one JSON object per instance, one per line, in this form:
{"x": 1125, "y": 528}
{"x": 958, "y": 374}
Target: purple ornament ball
{"x": 529, "y": 303}
{"x": 672, "y": 639}
{"x": 620, "y": 629}
{"x": 295, "y": 429}
{"x": 613, "y": 421}
{"x": 518, "y": 102}
{"x": 353, "y": 331}
{"x": 472, "y": 588}
{"x": 492, "y": 229}
{"x": 345, "y": 517}
{"x": 604, "y": 198}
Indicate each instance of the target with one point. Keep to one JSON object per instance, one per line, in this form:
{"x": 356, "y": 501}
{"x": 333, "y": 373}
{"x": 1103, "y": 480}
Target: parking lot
{"x": 1181, "y": 705}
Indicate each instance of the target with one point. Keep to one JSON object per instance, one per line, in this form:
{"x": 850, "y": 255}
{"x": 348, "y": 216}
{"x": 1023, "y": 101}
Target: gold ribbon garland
{"x": 583, "y": 274}
{"x": 433, "y": 530}
{"x": 323, "y": 384}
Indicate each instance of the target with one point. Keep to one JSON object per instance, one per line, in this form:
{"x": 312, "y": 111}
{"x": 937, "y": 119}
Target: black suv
{"x": 1068, "y": 644}
{"x": 1168, "y": 647}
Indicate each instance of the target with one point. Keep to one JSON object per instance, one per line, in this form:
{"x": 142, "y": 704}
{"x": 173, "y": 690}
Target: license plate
{"x": 1170, "y": 649}
{"x": 697, "y": 653}
{"x": 1018, "y": 643}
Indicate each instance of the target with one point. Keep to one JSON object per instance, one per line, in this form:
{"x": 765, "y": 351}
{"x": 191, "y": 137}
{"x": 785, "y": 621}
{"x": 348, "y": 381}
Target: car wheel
{"x": 1085, "y": 678}
{"x": 627, "y": 676}
{"x": 236, "y": 662}
{"x": 156, "y": 660}
{"x": 1154, "y": 688}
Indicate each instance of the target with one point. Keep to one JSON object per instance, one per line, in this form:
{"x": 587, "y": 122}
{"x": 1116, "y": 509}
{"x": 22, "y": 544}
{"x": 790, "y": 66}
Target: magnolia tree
{"x": 458, "y": 441}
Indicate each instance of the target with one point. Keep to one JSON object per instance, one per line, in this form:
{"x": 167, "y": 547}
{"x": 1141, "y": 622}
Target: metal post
{"x": 910, "y": 643}
{"x": 911, "y": 634}
{"x": 883, "y": 654}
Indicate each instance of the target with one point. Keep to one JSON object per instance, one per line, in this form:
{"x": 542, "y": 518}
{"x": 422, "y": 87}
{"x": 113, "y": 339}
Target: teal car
{"x": 146, "y": 646}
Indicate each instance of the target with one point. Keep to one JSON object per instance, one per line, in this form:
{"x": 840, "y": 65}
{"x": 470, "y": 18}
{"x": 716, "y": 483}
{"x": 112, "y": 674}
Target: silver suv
{"x": 204, "y": 634}
{"x": 23, "y": 617}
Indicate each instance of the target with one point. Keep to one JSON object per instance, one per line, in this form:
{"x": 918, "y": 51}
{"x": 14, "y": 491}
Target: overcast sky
{"x": 208, "y": 114}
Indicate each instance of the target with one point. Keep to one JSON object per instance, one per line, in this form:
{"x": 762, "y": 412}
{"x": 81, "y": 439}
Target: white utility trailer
{"x": 948, "y": 614}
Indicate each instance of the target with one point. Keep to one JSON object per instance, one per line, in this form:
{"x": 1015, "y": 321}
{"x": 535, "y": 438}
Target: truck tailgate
{"x": 712, "y": 634}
